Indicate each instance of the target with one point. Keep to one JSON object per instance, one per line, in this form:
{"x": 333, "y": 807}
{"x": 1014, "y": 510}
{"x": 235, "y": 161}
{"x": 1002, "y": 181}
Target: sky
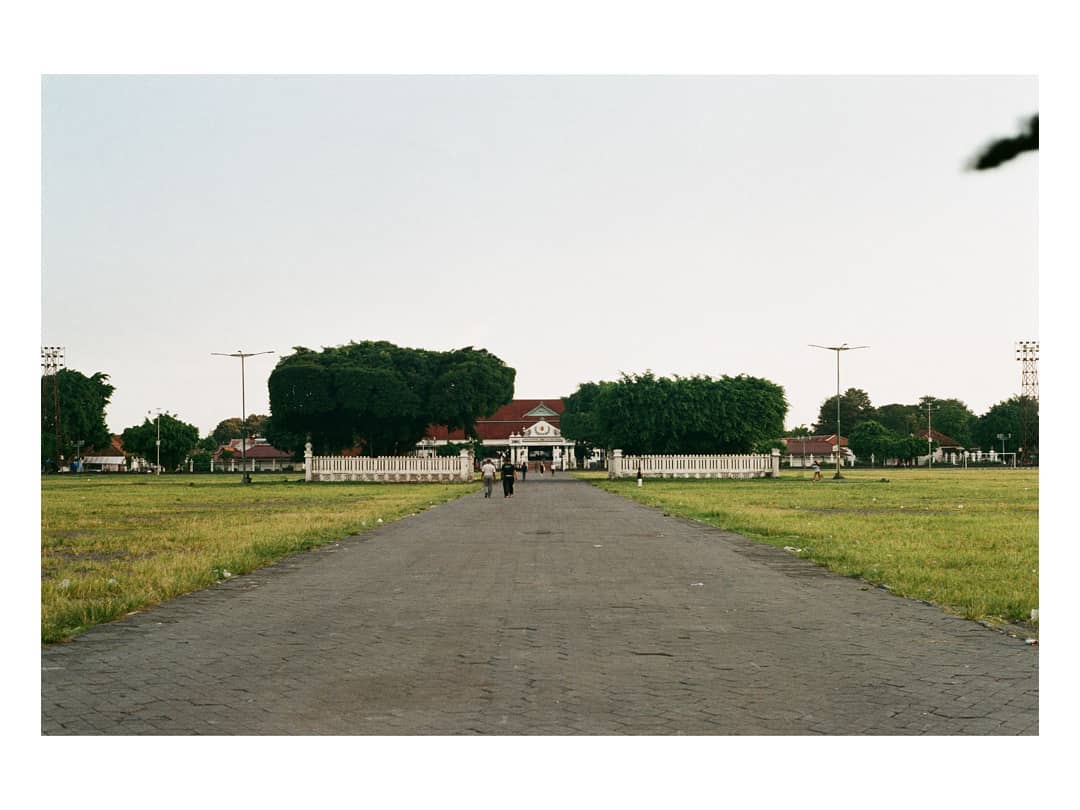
{"x": 578, "y": 227}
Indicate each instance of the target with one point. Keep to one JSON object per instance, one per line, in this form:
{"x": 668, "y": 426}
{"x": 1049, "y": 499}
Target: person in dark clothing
{"x": 509, "y": 473}
{"x": 524, "y": 469}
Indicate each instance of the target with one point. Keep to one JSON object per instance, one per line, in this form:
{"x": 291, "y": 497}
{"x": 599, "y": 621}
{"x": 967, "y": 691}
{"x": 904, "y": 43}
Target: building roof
{"x": 937, "y": 436}
{"x": 114, "y": 450}
{"x": 513, "y": 417}
{"x": 813, "y": 445}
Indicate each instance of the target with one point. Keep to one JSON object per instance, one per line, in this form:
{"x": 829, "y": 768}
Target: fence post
{"x": 307, "y": 461}
{"x": 616, "y": 464}
{"x": 775, "y": 463}
{"x": 465, "y": 469}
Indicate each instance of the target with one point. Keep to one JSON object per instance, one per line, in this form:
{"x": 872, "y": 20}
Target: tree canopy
{"x": 381, "y": 397}
{"x": 1008, "y": 417}
{"x": 178, "y": 439}
{"x": 232, "y": 428}
{"x": 855, "y": 407}
{"x": 644, "y": 413}
{"x": 82, "y": 413}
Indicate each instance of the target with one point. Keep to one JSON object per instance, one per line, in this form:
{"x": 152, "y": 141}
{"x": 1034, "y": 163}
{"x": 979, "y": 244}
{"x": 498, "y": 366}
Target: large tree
{"x": 178, "y": 439}
{"x": 381, "y": 397}
{"x": 899, "y": 418}
{"x": 949, "y": 416}
{"x": 872, "y": 442}
{"x": 232, "y": 428}
{"x": 855, "y": 407}
{"x": 1008, "y": 418}
{"x": 644, "y": 413}
{"x": 82, "y": 402}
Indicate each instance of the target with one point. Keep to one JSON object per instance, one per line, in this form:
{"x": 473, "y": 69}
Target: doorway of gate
{"x": 540, "y": 454}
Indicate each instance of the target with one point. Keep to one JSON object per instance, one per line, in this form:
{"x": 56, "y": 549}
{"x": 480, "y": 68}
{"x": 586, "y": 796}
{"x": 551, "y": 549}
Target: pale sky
{"x": 577, "y": 227}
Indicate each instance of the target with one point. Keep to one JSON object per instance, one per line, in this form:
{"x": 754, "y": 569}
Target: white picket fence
{"x": 686, "y": 466}
{"x": 447, "y": 469}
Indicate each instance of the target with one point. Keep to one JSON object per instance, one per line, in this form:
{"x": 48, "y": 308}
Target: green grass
{"x": 967, "y": 540}
{"x": 113, "y": 544}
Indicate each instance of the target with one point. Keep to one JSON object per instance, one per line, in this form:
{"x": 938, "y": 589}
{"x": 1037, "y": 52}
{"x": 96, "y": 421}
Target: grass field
{"x": 112, "y": 544}
{"x": 967, "y": 540}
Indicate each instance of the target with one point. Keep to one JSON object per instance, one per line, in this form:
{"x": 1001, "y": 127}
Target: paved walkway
{"x": 563, "y": 610}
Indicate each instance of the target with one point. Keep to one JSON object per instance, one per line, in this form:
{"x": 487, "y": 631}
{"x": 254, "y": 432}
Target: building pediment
{"x": 541, "y": 411}
{"x": 542, "y": 429}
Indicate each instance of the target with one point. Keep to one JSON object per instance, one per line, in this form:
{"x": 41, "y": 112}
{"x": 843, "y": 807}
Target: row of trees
{"x": 644, "y": 413}
{"x": 383, "y": 397}
{"x": 871, "y": 429}
{"x": 371, "y": 394}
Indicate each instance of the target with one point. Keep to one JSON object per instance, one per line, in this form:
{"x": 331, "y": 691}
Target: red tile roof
{"x": 814, "y": 445}
{"x": 940, "y": 438}
{"x": 510, "y": 418}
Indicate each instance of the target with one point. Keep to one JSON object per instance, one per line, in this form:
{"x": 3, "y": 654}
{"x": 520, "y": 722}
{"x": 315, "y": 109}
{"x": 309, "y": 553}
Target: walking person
{"x": 488, "y": 473}
{"x": 817, "y": 471}
{"x": 639, "y": 477}
{"x": 524, "y": 470}
{"x": 541, "y": 468}
{"x": 509, "y": 473}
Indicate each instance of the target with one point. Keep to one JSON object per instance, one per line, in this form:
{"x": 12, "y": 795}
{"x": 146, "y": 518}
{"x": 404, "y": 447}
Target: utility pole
{"x": 929, "y": 433}
{"x": 843, "y": 347}
{"x": 245, "y": 478}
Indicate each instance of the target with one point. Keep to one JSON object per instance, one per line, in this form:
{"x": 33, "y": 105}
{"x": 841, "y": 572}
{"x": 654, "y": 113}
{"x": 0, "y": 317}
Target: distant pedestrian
{"x": 524, "y": 469}
{"x": 488, "y": 473}
{"x": 639, "y": 477}
{"x": 553, "y": 469}
{"x": 541, "y": 468}
{"x": 817, "y": 471}
{"x": 509, "y": 473}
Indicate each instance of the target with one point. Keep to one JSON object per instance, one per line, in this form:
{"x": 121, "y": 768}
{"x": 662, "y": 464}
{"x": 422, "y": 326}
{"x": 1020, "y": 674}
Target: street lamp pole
{"x": 843, "y": 347}
{"x": 1003, "y": 437}
{"x": 157, "y": 466}
{"x": 929, "y": 434}
{"x": 245, "y": 478}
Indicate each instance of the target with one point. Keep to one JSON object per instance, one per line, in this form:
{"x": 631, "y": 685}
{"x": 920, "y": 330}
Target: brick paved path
{"x": 563, "y": 610}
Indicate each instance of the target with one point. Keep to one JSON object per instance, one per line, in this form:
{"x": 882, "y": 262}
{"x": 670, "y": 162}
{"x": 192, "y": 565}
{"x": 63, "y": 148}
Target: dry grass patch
{"x": 114, "y": 544}
{"x": 967, "y": 540}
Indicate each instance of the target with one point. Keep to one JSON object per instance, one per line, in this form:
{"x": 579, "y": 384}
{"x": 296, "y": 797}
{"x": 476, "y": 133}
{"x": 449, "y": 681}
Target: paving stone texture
{"x": 563, "y": 610}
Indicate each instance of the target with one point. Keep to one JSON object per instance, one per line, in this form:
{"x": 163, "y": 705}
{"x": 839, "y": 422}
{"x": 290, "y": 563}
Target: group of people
{"x": 508, "y": 473}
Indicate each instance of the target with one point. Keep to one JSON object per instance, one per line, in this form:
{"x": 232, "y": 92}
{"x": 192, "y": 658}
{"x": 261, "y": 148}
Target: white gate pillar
{"x": 307, "y": 461}
{"x": 615, "y": 470}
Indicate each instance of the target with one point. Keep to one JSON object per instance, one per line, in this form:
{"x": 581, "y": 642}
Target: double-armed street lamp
{"x": 245, "y": 478}
{"x": 843, "y": 347}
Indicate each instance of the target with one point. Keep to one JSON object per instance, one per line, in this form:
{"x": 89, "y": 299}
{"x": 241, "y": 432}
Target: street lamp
{"x": 843, "y": 347}
{"x": 157, "y": 466}
{"x": 1003, "y": 437}
{"x": 245, "y": 478}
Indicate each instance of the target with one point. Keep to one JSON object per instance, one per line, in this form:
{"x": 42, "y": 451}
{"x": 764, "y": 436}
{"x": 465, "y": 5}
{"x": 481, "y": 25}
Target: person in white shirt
{"x": 488, "y": 472}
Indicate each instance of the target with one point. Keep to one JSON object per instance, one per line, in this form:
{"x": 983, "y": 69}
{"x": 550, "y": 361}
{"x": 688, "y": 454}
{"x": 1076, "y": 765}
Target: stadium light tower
{"x": 843, "y": 347}
{"x": 245, "y": 478}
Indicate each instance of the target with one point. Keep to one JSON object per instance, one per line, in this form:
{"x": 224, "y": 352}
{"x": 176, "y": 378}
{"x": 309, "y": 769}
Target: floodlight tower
{"x": 1027, "y": 353}
{"x": 245, "y": 478}
{"x": 52, "y": 361}
{"x": 843, "y": 347}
